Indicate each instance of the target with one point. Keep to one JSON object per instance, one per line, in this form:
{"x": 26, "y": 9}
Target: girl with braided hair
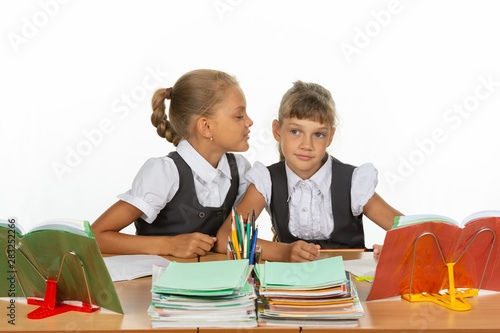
{"x": 178, "y": 202}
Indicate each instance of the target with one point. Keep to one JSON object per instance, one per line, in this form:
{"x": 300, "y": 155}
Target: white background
{"x": 76, "y": 78}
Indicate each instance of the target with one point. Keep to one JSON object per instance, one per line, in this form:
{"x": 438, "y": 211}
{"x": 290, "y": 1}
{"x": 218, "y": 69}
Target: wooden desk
{"x": 392, "y": 315}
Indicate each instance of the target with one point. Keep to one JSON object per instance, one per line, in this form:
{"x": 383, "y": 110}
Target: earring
{"x": 211, "y": 139}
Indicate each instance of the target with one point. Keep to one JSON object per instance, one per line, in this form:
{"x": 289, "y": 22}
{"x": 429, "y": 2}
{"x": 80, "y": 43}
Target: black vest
{"x": 184, "y": 214}
{"x": 348, "y": 229}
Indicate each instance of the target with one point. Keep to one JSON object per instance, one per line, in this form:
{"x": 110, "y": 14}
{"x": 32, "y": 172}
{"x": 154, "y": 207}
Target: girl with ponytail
{"x": 314, "y": 200}
{"x": 178, "y": 202}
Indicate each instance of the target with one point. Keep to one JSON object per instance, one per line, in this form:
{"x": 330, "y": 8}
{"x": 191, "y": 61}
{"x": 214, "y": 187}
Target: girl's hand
{"x": 190, "y": 245}
{"x": 377, "y": 250}
{"x": 301, "y": 251}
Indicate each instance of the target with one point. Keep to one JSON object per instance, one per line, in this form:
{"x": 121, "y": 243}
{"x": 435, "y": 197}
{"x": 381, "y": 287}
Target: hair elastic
{"x": 169, "y": 93}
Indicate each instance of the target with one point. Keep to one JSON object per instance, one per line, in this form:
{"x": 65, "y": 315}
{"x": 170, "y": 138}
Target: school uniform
{"x": 183, "y": 193}
{"x": 326, "y": 209}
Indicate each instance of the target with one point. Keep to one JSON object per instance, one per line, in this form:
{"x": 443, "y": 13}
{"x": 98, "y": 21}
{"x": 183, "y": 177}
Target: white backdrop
{"x": 416, "y": 83}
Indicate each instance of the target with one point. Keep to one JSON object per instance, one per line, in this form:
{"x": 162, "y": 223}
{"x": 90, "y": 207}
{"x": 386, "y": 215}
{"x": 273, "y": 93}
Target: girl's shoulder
{"x": 159, "y": 165}
{"x": 160, "y": 160}
{"x": 365, "y": 176}
{"x": 259, "y": 165}
{"x": 260, "y": 176}
{"x": 366, "y": 168}
{"x": 259, "y": 171}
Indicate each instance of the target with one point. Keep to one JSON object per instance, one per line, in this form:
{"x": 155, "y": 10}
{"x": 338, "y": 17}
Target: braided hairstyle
{"x": 195, "y": 94}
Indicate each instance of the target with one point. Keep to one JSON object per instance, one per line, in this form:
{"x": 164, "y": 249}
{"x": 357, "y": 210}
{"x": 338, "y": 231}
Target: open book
{"x": 416, "y": 243}
{"x": 30, "y": 258}
{"x": 133, "y": 266}
{"x": 403, "y": 221}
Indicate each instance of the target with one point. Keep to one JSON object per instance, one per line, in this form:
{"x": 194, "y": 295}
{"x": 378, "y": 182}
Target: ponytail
{"x": 159, "y": 117}
{"x": 195, "y": 94}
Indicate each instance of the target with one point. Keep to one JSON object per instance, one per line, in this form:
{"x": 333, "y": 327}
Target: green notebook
{"x": 204, "y": 278}
{"x": 44, "y": 246}
{"x": 318, "y": 273}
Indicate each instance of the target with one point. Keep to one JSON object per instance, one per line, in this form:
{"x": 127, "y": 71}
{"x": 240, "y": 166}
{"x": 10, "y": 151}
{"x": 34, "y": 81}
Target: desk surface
{"x": 393, "y": 314}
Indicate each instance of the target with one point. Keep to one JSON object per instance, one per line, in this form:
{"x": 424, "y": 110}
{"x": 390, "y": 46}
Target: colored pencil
{"x": 253, "y": 221}
{"x": 254, "y": 245}
{"x": 235, "y": 237}
{"x": 242, "y": 239}
{"x": 340, "y": 250}
{"x": 245, "y": 248}
{"x": 249, "y": 239}
{"x": 239, "y": 244}
{"x": 229, "y": 250}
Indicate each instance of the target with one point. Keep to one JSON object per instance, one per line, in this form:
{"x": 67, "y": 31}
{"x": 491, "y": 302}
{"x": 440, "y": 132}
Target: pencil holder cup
{"x": 254, "y": 257}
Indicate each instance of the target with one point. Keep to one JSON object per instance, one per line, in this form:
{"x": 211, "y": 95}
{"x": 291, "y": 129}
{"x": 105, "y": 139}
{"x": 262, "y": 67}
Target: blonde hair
{"x": 196, "y": 93}
{"x": 307, "y": 101}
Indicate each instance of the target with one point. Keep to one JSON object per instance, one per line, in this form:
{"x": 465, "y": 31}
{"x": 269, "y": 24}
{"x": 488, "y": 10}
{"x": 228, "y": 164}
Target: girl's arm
{"x": 110, "y": 240}
{"x": 298, "y": 251}
{"x": 379, "y": 211}
{"x": 272, "y": 251}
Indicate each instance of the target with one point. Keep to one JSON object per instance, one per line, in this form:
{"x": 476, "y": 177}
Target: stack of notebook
{"x": 203, "y": 294}
{"x": 316, "y": 293}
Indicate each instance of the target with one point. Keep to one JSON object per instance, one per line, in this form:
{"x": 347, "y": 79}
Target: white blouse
{"x": 309, "y": 201}
{"x": 158, "y": 180}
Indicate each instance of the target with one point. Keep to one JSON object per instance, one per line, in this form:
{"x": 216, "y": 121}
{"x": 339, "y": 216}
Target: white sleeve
{"x": 243, "y": 167}
{"x": 364, "y": 181}
{"x": 259, "y": 176}
{"x": 153, "y": 187}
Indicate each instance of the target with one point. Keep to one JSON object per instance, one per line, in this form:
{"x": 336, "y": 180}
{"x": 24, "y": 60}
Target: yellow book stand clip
{"x": 452, "y": 299}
